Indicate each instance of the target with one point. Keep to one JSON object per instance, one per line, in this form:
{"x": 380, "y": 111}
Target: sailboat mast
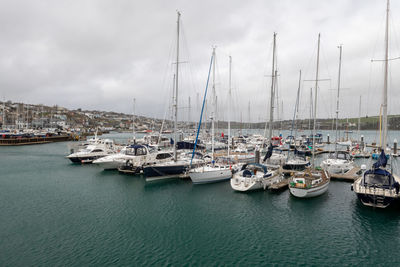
{"x": 337, "y": 98}
{"x": 271, "y": 110}
{"x": 315, "y": 103}
{"x": 311, "y": 106}
{"x": 189, "y": 117}
{"x": 214, "y": 107}
{"x": 4, "y": 114}
{"x": 359, "y": 120}
{"x": 229, "y": 105}
{"x": 133, "y": 121}
{"x": 384, "y": 105}
{"x": 248, "y": 113}
{"x": 296, "y": 110}
{"x": 176, "y": 86}
{"x": 197, "y": 106}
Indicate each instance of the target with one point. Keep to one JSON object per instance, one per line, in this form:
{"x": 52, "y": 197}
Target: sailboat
{"x": 274, "y": 160}
{"x": 297, "y": 162}
{"x": 311, "y": 182}
{"x": 213, "y": 172}
{"x": 255, "y": 176}
{"x": 339, "y": 162}
{"x": 379, "y": 186}
{"x": 177, "y": 167}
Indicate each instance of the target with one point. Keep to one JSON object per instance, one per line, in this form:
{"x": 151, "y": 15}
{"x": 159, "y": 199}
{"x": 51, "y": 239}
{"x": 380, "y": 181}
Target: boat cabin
{"x": 136, "y": 150}
{"x": 378, "y": 178}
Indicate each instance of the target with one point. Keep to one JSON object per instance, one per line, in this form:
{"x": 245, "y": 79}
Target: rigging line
{"x": 394, "y": 35}
{"x": 194, "y": 78}
{"x": 322, "y": 100}
{"x": 310, "y": 61}
{"x": 167, "y": 71}
{"x": 369, "y": 87}
{"x": 325, "y": 62}
{"x": 263, "y": 83}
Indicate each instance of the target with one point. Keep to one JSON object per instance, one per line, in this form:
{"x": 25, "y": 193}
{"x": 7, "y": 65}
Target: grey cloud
{"x": 102, "y": 54}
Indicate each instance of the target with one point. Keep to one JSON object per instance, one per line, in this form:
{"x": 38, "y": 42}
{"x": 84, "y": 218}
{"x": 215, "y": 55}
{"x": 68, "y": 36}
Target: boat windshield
{"x": 343, "y": 156}
{"x": 376, "y": 179}
{"x": 140, "y": 151}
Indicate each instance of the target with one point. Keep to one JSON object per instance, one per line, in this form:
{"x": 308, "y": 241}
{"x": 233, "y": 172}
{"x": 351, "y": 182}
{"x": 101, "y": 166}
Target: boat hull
{"x": 84, "y": 159}
{"x": 295, "y": 167}
{"x": 309, "y": 192}
{"x": 375, "y": 200}
{"x": 109, "y": 165}
{"x": 160, "y": 172}
{"x": 246, "y": 184}
{"x": 210, "y": 176}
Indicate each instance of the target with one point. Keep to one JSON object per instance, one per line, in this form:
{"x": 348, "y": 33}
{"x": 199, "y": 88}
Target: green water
{"x": 55, "y": 213}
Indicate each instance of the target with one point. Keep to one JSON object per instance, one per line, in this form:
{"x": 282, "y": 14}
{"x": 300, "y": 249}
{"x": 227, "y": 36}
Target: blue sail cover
{"x": 381, "y": 162}
{"x": 299, "y": 153}
{"x": 269, "y": 152}
{"x": 261, "y": 166}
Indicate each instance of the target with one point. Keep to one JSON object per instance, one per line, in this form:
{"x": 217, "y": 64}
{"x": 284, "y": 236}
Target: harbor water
{"x": 56, "y": 213}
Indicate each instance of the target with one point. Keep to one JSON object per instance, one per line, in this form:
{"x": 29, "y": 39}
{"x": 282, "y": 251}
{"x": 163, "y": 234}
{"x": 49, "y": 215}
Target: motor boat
{"x": 94, "y": 151}
{"x": 130, "y": 166}
{"x": 137, "y": 154}
{"x": 377, "y": 187}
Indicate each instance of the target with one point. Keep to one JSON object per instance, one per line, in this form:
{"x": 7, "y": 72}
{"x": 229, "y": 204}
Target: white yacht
{"x": 131, "y": 166}
{"x": 255, "y": 176}
{"x": 339, "y": 162}
{"x": 215, "y": 171}
{"x": 312, "y": 182}
{"x": 93, "y": 151}
{"x": 210, "y": 173}
{"x": 137, "y": 154}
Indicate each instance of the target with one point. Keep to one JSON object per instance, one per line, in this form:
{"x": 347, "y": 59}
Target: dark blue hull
{"x": 84, "y": 159}
{"x": 295, "y": 167}
{"x": 154, "y": 171}
{"x": 375, "y": 201}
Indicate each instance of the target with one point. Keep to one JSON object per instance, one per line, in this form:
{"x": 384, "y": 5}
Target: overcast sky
{"x": 101, "y": 54}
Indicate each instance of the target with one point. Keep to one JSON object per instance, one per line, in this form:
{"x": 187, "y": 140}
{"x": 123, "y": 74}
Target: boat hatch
{"x": 316, "y": 181}
{"x": 163, "y": 156}
{"x": 300, "y": 180}
{"x": 247, "y": 173}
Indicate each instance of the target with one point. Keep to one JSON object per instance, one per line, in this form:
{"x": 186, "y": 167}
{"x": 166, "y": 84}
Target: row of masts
{"x": 273, "y": 87}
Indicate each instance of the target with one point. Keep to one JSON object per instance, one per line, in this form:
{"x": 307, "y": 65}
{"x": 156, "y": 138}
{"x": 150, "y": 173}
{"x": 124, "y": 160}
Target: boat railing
{"x": 373, "y": 190}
